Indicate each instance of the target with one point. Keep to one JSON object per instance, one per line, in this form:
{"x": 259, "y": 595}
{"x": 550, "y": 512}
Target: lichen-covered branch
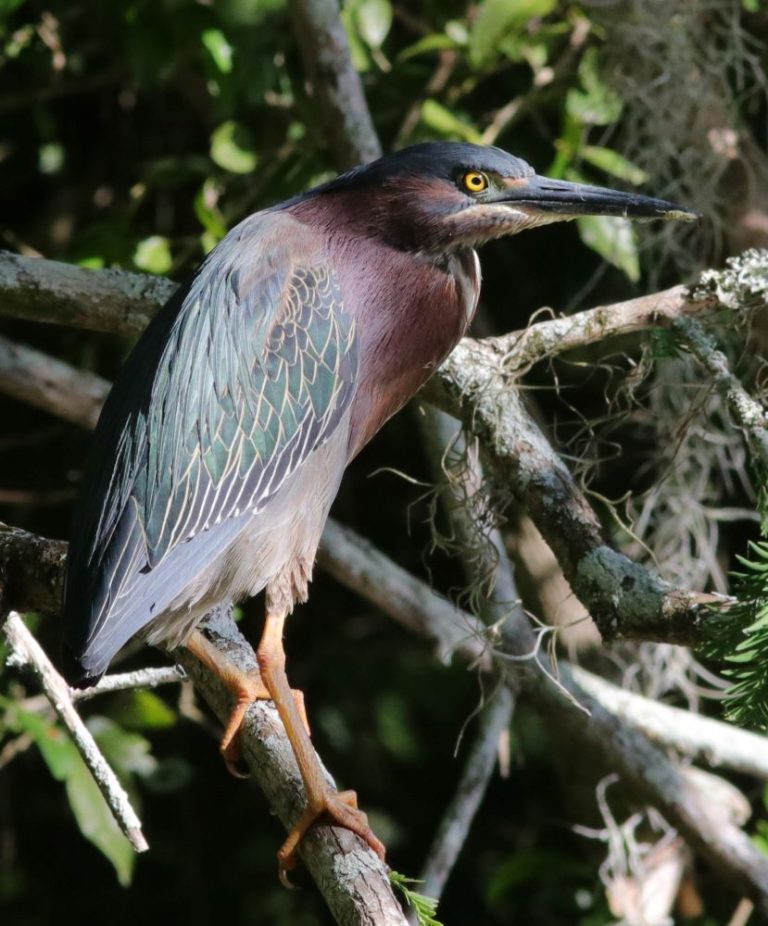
{"x": 101, "y": 300}
{"x": 352, "y": 879}
{"x": 31, "y": 571}
{"x": 624, "y": 598}
{"x": 520, "y": 350}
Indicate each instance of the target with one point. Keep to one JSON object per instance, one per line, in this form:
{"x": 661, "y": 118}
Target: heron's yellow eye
{"x": 474, "y": 181}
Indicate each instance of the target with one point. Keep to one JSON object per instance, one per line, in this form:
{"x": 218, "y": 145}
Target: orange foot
{"x": 340, "y": 808}
{"x": 247, "y": 688}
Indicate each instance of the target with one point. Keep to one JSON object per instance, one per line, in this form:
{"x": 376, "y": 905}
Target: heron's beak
{"x": 559, "y": 197}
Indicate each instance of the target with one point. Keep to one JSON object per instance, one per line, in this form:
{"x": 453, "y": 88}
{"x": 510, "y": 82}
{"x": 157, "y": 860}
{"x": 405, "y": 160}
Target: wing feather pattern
{"x": 240, "y": 377}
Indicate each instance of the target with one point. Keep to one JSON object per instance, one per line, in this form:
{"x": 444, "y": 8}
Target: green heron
{"x": 223, "y": 443}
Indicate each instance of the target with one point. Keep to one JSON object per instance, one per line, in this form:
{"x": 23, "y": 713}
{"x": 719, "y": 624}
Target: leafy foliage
{"x": 424, "y": 907}
{"x": 741, "y": 641}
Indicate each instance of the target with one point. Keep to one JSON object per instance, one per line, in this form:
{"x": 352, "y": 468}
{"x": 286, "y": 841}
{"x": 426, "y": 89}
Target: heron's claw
{"x": 248, "y": 687}
{"x": 340, "y": 808}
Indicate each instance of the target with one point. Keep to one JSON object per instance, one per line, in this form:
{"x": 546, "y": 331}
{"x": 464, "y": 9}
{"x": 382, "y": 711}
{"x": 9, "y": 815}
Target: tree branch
{"x": 749, "y": 414}
{"x": 520, "y": 350}
{"x": 31, "y": 571}
{"x": 700, "y": 738}
{"x": 335, "y": 82}
{"x": 624, "y": 599}
{"x": 100, "y": 300}
{"x": 47, "y": 383}
{"x": 350, "y": 876}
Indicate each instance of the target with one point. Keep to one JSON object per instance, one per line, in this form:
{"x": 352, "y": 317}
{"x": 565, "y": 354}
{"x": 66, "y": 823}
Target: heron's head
{"x": 439, "y": 196}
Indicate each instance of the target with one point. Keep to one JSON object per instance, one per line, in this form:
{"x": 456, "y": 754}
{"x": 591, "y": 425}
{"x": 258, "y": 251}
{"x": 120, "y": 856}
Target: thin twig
{"x": 26, "y": 651}
{"x": 460, "y": 812}
{"x": 749, "y": 414}
{"x": 125, "y": 681}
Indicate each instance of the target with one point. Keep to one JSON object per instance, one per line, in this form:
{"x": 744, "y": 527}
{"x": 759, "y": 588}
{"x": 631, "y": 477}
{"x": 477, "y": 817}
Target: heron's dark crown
{"x": 438, "y": 160}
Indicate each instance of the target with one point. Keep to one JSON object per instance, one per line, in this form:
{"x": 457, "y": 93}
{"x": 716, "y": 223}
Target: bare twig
{"x": 125, "y": 681}
{"x": 26, "y": 651}
{"x": 460, "y": 812}
{"x": 749, "y": 414}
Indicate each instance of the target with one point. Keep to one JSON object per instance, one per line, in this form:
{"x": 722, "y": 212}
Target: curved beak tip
{"x": 682, "y": 214}
{"x": 569, "y": 199}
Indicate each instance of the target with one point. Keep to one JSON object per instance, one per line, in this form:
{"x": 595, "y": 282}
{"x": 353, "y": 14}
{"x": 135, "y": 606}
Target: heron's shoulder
{"x": 273, "y": 235}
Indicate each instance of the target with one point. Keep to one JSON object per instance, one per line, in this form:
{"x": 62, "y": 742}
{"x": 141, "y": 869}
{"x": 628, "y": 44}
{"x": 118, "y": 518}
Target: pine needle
{"x": 424, "y": 907}
{"x": 741, "y": 641}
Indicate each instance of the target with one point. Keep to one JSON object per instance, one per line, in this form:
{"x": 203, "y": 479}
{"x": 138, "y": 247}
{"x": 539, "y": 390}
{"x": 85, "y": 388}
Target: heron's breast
{"x": 407, "y": 322}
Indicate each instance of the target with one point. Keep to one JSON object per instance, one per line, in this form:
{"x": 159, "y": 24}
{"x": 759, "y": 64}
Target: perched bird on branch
{"x": 223, "y": 443}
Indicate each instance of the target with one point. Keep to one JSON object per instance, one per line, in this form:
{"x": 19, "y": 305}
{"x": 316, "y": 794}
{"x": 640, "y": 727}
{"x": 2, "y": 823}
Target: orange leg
{"x": 246, "y": 687}
{"x": 339, "y": 807}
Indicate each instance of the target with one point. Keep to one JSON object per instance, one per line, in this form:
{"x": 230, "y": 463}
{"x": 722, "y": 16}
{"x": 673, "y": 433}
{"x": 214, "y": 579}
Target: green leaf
{"x": 143, "y": 710}
{"x": 358, "y": 52}
{"x": 446, "y": 124}
{"x": 51, "y": 158}
{"x": 393, "y": 727}
{"x": 8, "y": 6}
{"x": 52, "y": 741}
{"x": 374, "y": 20}
{"x": 613, "y": 163}
{"x": 232, "y": 147}
{"x": 91, "y": 812}
{"x": 96, "y": 821}
{"x": 613, "y": 239}
{"x": 219, "y": 49}
{"x": 438, "y": 41}
{"x": 494, "y": 23}
{"x": 153, "y": 254}
{"x": 596, "y": 103}
{"x": 127, "y": 752}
